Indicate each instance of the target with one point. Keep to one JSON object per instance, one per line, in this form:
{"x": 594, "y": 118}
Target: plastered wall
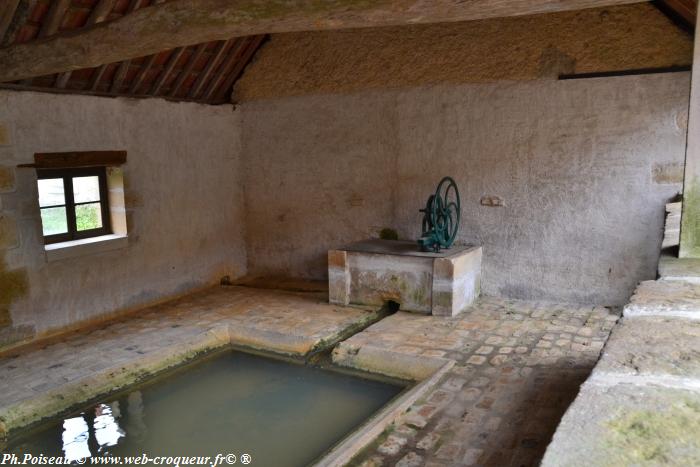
{"x": 562, "y": 182}
{"x": 517, "y": 48}
{"x": 183, "y": 201}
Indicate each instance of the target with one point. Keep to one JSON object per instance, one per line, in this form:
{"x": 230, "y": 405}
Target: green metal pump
{"x": 441, "y": 217}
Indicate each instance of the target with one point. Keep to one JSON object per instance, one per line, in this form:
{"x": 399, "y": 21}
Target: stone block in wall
{"x": 5, "y": 134}
{"x": 456, "y": 282}
{"x": 667, "y": 173}
{"x": 338, "y": 278}
{"x": 7, "y": 179}
{"x": 9, "y": 234}
{"x": 5, "y": 317}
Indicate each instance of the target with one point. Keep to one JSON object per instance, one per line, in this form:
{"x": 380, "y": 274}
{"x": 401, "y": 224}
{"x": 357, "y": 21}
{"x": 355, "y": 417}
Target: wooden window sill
{"x": 86, "y": 246}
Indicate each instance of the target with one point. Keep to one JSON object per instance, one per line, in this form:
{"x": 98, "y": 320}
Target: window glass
{"x": 88, "y": 216}
{"x": 72, "y": 205}
{"x": 51, "y": 192}
{"x": 86, "y": 189}
{"x": 53, "y": 221}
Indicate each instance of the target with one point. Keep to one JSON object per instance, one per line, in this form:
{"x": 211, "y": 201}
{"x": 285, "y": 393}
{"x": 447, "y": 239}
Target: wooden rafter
{"x": 54, "y": 17}
{"x": 145, "y": 68}
{"x": 202, "y": 78}
{"x": 22, "y": 12}
{"x": 97, "y": 77}
{"x": 683, "y": 9}
{"x": 238, "y": 68}
{"x": 119, "y": 77}
{"x": 8, "y": 8}
{"x": 182, "y": 23}
{"x": 123, "y": 66}
{"x": 196, "y": 56}
{"x": 167, "y": 70}
{"x": 98, "y": 14}
{"x": 235, "y": 52}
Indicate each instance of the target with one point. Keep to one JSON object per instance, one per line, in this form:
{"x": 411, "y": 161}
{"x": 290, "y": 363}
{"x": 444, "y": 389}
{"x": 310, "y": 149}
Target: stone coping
{"x": 641, "y": 404}
{"x": 665, "y": 298}
{"x": 401, "y": 248}
{"x": 258, "y": 327}
{"x": 679, "y": 269}
{"x": 350, "y": 446}
{"x": 42, "y": 382}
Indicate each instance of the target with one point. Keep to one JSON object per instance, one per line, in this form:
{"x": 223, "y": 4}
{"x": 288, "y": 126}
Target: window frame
{"x": 67, "y": 175}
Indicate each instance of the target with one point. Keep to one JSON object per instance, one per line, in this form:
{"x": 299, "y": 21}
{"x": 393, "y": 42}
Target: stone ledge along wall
{"x": 563, "y": 182}
{"x": 183, "y": 199}
{"x": 571, "y": 162}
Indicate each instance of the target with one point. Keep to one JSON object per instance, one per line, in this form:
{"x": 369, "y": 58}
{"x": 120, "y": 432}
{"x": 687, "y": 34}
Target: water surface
{"x": 280, "y": 413}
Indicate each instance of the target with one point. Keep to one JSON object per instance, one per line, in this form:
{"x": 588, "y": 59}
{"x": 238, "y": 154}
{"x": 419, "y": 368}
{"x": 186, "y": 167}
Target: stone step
{"x": 665, "y": 298}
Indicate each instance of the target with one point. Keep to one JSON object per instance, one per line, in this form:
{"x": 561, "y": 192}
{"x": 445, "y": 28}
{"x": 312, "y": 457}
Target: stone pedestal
{"x": 373, "y": 272}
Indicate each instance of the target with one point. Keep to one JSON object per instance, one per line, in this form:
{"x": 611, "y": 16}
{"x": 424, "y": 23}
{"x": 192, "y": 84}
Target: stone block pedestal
{"x": 373, "y": 272}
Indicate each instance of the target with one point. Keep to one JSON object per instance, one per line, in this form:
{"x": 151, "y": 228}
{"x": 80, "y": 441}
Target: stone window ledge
{"x": 87, "y": 246}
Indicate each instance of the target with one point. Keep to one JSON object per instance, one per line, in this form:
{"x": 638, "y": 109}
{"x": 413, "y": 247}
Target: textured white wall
{"x": 573, "y": 161}
{"x": 183, "y": 195}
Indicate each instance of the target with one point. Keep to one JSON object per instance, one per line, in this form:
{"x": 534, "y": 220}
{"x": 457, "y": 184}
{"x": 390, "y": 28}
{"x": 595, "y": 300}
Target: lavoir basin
{"x": 279, "y": 413}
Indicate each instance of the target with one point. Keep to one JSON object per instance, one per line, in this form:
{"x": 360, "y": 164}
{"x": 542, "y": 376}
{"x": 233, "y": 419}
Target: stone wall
{"x": 517, "y": 48}
{"x": 557, "y": 177}
{"x": 183, "y": 204}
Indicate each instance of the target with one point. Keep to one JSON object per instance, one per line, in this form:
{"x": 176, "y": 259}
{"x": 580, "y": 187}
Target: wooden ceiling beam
{"x": 180, "y": 23}
{"x": 123, "y": 66}
{"x": 98, "y": 14}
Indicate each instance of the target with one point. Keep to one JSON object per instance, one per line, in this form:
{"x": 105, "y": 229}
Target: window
{"x": 73, "y": 203}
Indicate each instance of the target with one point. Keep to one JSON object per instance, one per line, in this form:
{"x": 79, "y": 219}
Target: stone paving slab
{"x": 42, "y": 381}
{"x": 626, "y": 425}
{"x": 669, "y": 298}
{"x": 519, "y": 365}
{"x": 652, "y": 350}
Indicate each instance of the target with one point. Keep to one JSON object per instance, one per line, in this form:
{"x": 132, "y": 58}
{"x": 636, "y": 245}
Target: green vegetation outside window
{"x": 73, "y": 203}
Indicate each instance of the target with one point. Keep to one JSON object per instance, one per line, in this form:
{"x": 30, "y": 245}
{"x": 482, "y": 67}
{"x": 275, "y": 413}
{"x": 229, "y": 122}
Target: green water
{"x": 279, "y": 413}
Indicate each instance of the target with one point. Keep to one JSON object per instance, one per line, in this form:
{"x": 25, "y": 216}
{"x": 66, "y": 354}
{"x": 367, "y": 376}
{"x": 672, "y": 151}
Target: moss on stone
{"x": 388, "y": 234}
{"x": 13, "y": 286}
{"x": 690, "y": 227}
{"x": 650, "y": 437}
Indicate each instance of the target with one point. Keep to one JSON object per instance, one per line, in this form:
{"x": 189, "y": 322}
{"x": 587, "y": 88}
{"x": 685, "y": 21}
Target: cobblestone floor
{"x": 519, "y": 366}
